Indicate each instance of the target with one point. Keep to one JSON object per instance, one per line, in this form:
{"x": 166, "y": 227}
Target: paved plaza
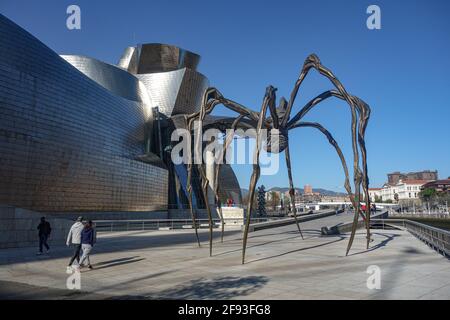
{"x": 280, "y": 265}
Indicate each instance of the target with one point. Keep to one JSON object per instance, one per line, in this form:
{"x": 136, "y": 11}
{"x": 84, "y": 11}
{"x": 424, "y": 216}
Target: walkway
{"x": 280, "y": 265}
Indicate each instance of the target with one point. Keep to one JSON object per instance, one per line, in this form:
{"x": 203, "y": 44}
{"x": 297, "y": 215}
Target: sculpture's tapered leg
{"x": 222, "y": 155}
{"x": 364, "y": 112}
{"x": 344, "y": 165}
{"x": 189, "y": 184}
{"x": 333, "y": 142}
{"x": 291, "y": 188}
{"x": 211, "y": 98}
{"x": 312, "y": 61}
{"x": 270, "y": 94}
{"x": 205, "y": 185}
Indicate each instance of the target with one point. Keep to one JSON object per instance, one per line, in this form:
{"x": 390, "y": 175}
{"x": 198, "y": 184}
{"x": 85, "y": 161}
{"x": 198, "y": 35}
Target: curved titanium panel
{"x": 128, "y": 61}
{"x": 66, "y": 143}
{"x": 191, "y": 93}
{"x": 157, "y": 57}
{"x": 175, "y": 92}
{"x": 116, "y": 80}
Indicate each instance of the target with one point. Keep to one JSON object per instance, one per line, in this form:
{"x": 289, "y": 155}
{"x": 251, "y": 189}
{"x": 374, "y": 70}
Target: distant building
{"x": 438, "y": 185}
{"x": 407, "y": 189}
{"x": 375, "y": 194}
{"x": 296, "y": 193}
{"x": 395, "y": 177}
{"x": 338, "y": 198}
{"x": 307, "y": 189}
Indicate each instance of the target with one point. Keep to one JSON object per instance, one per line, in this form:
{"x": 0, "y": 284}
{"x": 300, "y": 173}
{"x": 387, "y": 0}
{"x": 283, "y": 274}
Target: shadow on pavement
{"x": 298, "y": 250}
{"x": 111, "y": 244}
{"x": 115, "y": 264}
{"x": 217, "y": 288}
{"x": 389, "y": 237}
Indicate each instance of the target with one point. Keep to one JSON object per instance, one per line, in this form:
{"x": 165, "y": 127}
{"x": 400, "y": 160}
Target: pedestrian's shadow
{"x": 116, "y": 262}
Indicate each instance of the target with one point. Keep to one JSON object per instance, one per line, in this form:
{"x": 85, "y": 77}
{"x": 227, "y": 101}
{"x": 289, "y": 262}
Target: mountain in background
{"x": 324, "y": 192}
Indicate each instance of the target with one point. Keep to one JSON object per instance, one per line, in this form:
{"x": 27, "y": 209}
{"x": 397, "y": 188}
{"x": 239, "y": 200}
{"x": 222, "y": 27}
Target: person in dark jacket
{"x": 87, "y": 242}
{"x": 44, "y": 229}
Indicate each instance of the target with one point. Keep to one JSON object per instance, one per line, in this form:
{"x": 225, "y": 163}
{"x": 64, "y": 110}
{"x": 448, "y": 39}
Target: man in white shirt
{"x": 74, "y": 238}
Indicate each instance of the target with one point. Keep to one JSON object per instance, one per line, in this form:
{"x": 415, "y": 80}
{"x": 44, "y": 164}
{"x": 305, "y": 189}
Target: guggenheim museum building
{"x": 81, "y": 135}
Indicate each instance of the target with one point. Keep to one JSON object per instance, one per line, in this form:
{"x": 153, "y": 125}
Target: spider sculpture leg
{"x": 291, "y": 188}
{"x": 211, "y": 98}
{"x": 198, "y": 147}
{"x": 223, "y": 154}
{"x": 362, "y": 107}
{"x": 312, "y": 61}
{"x": 364, "y": 114}
{"x": 205, "y": 186}
{"x": 190, "y": 125}
{"x": 189, "y": 184}
{"x": 333, "y": 142}
{"x": 269, "y": 96}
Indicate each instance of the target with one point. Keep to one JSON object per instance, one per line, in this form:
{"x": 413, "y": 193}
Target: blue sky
{"x": 401, "y": 71}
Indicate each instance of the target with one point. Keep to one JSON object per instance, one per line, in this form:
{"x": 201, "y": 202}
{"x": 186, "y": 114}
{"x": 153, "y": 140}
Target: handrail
{"x": 158, "y": 224}
{"x": 436, "y": 238}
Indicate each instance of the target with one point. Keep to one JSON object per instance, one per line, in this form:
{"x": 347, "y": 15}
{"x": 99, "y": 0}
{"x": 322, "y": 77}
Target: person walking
{"x": 44, "y": 232}
{"x": 74, "y": 239}
{"x": 87, "y": 242}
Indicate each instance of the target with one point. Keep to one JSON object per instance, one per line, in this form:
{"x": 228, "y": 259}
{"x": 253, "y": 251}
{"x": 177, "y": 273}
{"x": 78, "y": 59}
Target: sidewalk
{"x": 279, "y": 265}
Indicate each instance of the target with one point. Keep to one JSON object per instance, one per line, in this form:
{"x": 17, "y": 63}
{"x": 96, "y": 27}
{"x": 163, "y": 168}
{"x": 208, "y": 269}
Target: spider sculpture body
{"x": 278, "y": 124}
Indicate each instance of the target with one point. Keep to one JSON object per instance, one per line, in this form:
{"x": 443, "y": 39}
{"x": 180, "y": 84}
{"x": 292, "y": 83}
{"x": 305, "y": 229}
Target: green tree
{"x": 427, "y": 194}
{"x": 261, "y": 200}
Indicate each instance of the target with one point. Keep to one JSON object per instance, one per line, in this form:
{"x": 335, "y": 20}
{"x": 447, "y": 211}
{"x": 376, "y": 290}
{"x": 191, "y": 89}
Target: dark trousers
{"x": 76, "y": 253}
{"x": 43, "y": 242}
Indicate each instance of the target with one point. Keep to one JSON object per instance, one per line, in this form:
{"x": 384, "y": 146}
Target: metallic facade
{"x": 67, "y": 143}
{"x": 169, "y": 74}
{"x": 112, "y": 78}
{"x": 77, "y": 134}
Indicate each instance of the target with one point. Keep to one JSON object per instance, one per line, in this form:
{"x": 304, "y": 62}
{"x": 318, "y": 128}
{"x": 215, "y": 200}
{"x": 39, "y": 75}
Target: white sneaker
{"x": 69, "y": 270}
{"x": 38, "y": 253}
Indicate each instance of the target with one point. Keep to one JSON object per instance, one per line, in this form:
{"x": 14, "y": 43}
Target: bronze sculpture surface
{"x": 278, "y": 125}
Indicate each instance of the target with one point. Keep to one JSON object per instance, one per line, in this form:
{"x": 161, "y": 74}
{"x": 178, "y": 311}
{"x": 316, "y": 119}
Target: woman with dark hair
{"x": 87, "y": 242}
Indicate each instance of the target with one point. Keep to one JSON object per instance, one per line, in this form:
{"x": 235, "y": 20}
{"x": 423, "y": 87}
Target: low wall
{"x": 284, "y": 222}
{"x": 347, "y": 227}
{"x": 109, "y": 215}
{"x": 18, "y": 227}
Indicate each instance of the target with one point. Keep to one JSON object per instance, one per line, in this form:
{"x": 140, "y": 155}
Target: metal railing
{"x": 164, "y": 224}
{"x": 435, "y": 238}
{"x": 417, "y": 214}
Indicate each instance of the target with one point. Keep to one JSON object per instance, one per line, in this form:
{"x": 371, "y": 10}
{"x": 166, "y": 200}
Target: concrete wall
{"x": 18, "y": 226}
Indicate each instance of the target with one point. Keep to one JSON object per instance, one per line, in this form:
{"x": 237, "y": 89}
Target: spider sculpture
{"x": 278, "y": 125}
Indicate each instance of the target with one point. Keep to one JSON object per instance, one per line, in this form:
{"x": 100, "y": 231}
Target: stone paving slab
{"x": 279, "y": 265}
